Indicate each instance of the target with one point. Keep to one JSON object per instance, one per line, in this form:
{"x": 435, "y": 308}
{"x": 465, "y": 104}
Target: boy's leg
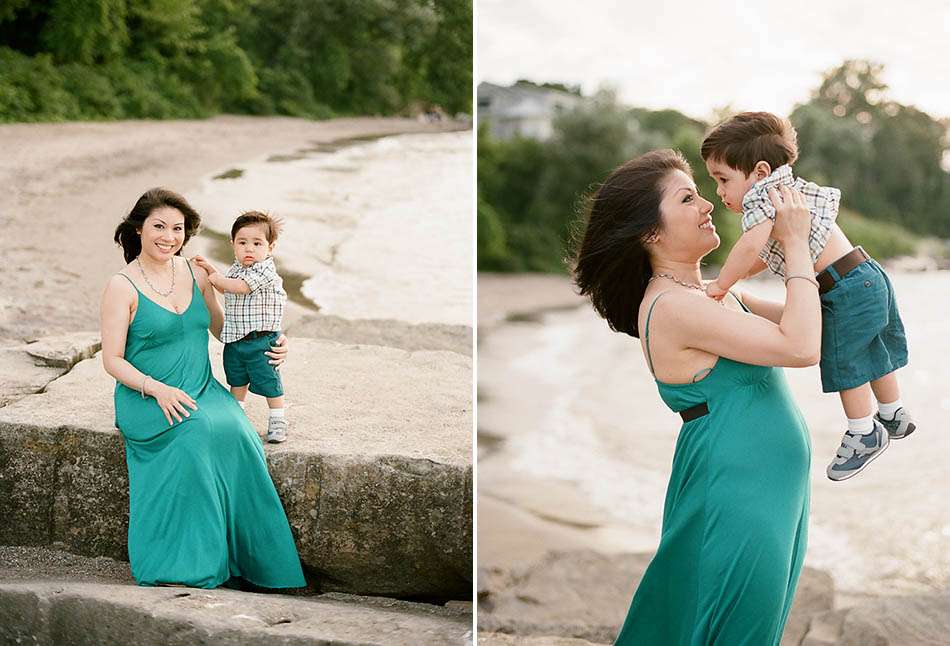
{"x": 891, "y": 411}
{"x": 865, "y": 438}
{"x": 240, "y": 394}
{"x": 856, "y": 402}
{"x": 276, "y": 422}
{"x": 886, "y": 389}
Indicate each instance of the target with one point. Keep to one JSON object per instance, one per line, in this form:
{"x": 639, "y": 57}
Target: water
{"x": 381, "y": 228}
{"x": 576, "y": 404}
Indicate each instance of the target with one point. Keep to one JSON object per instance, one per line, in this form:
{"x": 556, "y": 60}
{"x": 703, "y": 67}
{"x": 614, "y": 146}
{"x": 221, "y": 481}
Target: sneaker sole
{"x": 276, "y": 441}
{"x": 851, "y": 474}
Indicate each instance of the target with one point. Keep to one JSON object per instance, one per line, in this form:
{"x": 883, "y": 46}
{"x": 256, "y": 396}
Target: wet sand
{"x": 66, "y": 186}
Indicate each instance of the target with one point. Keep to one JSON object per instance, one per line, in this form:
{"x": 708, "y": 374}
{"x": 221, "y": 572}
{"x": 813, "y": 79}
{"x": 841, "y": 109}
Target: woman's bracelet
{"x": 143, "y": 385}
{"x": 803, "y": 277}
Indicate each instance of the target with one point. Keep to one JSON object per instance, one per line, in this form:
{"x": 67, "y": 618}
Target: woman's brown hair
{"x": 611, "y": 263}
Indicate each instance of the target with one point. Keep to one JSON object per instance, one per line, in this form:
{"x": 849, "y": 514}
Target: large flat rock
{"x": 51, "y": 612}
{"x": 27, "y": 368}
{"x": 585, "y": 595}
{"x": 915, "y": 620}
{"x": 376, "y": 476}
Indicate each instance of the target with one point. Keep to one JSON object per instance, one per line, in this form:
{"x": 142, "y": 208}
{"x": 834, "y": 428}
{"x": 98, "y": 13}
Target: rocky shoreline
{"x": 558, "y": 569}
{"x": 376, "y": 477}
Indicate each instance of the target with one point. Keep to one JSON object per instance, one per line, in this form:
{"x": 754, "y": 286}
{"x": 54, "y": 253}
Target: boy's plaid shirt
{"x": 260, "y": 310}
{"x": 822, "y": 203}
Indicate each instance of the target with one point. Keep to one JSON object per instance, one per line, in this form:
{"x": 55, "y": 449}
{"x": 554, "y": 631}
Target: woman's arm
{"x": 761, "y": 307}
{"x": 211, "y": 301}
{"x": 115, "y": 315}
{"x": 794, "y": 340}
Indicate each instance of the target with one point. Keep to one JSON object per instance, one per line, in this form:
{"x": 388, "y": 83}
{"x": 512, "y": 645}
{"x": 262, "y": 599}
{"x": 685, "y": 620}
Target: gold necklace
{"x": 678, "y": 281}
{"x": 149, "y": 283}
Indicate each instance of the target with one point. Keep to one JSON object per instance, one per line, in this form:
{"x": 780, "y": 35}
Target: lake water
{"x": 380, "y": 228}
{"x": 576, "y": 405}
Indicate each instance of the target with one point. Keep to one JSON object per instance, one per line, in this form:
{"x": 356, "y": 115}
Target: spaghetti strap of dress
{"x": 128, "y": 279}
{"x": 646, "y": 331}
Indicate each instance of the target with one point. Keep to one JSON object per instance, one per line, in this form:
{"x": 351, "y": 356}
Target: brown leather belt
{"x": 693, "y": 412}
{"x": 256, "y": 334}
{"x": 844, "y": 264}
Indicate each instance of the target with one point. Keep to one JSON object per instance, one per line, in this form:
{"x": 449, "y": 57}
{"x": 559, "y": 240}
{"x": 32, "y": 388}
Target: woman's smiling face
{"x": 163, "y": 233}
{"x": 686, "y": 219}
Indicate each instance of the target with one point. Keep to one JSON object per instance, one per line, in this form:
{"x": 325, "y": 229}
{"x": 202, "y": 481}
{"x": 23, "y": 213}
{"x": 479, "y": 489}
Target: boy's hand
{"x": 713, "y": 290}
{"x": 204, "y": 264}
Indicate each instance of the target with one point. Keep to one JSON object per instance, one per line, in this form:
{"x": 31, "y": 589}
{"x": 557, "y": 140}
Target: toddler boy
{"x": 863, "y": 341}
{"x": 254, "y": 300}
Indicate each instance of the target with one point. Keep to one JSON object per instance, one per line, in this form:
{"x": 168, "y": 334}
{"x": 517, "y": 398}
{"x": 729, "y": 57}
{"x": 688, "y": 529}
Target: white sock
{"x": 279, "y": 412}
{"x": 887, "y": 410}
{"x": 861, "y": 425}
{"x": 243, "y": 405}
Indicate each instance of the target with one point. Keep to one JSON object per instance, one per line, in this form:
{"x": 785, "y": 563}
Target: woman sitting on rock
{"x": 203, "y": 510}
{"x": 736, "y": 512}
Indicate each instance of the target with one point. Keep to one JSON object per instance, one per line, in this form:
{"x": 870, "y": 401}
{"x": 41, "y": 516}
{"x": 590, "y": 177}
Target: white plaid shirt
{"x": 262, "y": 309}
{"x": 822, "y": 203}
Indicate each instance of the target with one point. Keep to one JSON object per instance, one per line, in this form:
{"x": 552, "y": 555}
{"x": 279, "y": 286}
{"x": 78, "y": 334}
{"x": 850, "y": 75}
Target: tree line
{"x": 884, "y": 156}
{"x": 116, "y": 59}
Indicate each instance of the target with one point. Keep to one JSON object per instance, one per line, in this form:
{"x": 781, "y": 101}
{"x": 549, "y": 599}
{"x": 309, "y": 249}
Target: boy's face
{"x": 731, "y": 184}
{"x": 250, "y": 244}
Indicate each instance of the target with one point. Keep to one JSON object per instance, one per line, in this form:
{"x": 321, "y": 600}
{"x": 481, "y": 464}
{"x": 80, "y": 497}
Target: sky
{"x": 698, "y": 57}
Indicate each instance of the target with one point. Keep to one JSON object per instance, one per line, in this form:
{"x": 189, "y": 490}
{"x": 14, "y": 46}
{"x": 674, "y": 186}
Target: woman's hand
{"x": 171, "y": 400}
{"x": 792, "y": 219}
{"x": 278, "y": 352}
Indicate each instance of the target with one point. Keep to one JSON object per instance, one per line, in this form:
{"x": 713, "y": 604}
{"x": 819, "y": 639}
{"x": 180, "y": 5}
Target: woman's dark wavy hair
{"x": 127, "y": 234}
{"x": 611, "y": 265}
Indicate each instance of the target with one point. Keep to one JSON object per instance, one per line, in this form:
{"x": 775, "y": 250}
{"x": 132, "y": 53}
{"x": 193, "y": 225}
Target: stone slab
{"x": 376, "y": 476}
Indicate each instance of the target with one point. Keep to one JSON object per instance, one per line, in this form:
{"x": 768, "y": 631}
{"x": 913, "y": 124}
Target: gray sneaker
{"x": 901, "y": 426}
{"x": 276, "y": 430}
{"x": 857, "y": 451}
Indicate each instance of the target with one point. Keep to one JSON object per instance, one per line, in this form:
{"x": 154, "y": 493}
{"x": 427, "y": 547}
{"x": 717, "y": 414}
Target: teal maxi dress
{"x": 735, "y": 519}
{"x": 202, "y": 505}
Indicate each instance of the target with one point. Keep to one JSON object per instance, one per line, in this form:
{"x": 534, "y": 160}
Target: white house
{"x": 523, "y": 110}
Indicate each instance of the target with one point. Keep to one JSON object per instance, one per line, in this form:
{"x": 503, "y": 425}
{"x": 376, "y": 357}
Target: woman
{"x": 736, "y": 510}
{"x": 202, "y": 506}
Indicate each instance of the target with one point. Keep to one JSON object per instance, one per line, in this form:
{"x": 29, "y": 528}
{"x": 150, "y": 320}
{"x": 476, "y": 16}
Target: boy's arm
{"x": 229, "y": 285}
{"x": 742, "y": 258}
{"x": 757, "y": 268}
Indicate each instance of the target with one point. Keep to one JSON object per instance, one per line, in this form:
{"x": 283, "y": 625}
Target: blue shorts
{"x": 862, "y": 337}
{"x": 245, "y": 364}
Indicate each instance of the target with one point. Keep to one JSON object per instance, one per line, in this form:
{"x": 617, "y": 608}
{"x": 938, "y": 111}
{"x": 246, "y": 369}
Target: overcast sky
{"x": 700, "y": 56}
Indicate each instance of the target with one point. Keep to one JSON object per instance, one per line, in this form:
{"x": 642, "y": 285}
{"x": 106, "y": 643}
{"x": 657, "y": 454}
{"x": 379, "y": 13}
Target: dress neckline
{"x": 194, "y": 283}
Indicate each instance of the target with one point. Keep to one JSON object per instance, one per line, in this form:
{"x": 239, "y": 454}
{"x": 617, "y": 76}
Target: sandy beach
{"x": 575, "y": 444}
{"x": 66, "y": 186}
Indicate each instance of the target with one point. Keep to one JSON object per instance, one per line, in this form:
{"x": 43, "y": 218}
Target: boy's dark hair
{"x": 272, "y": 225}
{"x": 750, "y": 137}
{"x": 128, "y": 233}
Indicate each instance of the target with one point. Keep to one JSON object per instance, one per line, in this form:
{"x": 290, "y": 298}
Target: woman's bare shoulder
{"x": 200, "y": 274}
{"x": 120, "y": 283}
